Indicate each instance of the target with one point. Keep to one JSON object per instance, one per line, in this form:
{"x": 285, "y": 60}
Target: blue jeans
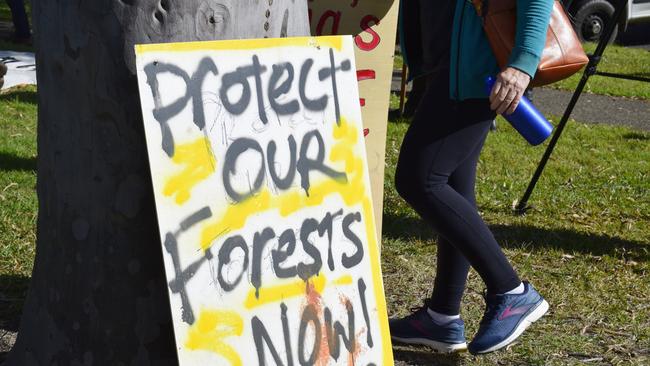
{"x": 19, "y": 17}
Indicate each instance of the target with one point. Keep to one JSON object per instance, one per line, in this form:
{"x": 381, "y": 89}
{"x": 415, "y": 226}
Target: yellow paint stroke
{"x": 335, "y": 42}
{"x": 290, "y": 290}
{"x": 352, "y": 192}
{"x": 209, "y": 332}
{"x": 343, "y": 281}
{"x": 199, "y": 162}
{"x": 277, "y": 293}
{"x": 377, "y": 282}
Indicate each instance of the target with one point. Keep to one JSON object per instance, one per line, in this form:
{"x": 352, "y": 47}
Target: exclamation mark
{"x": 362, "y": 295}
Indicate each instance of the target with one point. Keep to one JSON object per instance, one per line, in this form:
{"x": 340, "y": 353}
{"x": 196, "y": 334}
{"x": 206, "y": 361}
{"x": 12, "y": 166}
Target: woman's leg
{"x": 442, "y": 137}
{"x": 452, "y": 266}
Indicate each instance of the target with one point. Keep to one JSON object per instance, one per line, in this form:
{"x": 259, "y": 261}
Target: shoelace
{"x": 425, "y": 305}
{"x": 491, "y": 308}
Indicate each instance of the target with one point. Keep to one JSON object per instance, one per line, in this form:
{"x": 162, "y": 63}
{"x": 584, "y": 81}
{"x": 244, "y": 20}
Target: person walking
{"x": 436, "y": 174}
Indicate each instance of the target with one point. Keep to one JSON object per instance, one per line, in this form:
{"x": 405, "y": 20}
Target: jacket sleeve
{"x": 532, "y": 24}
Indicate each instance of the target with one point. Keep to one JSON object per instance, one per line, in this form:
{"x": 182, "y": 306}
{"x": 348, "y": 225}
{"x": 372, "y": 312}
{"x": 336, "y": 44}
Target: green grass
{"x": 17, "y": 180}
{"x": 616, "y": 59}
{"x": 585, "y": 245}
{"x": 18, "y": 205}
{"x": 5, "y": 16}
{"x": 5, "y": 12}
{"x": 620, "y": 60}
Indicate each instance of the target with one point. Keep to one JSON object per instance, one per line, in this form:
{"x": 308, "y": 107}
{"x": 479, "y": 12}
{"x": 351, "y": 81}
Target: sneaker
{"x": 506, "y": 318}
{"x": 419, "y": 328}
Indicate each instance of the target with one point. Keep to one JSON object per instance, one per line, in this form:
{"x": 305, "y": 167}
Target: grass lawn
{"x": 5, "y": 12}
{"x": 5, "y": 16}
{"x": 585, "y": 245}
{"x": 619, "y": 60}
{"x": 616, "y": 59}
{"x": 18, "y": 204}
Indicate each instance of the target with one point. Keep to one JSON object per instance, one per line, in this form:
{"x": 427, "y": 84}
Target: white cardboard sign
{"x": 263, "y": 200}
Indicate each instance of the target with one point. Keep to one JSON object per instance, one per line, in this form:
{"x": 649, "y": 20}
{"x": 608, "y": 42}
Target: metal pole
{"x": 522, "y": 205}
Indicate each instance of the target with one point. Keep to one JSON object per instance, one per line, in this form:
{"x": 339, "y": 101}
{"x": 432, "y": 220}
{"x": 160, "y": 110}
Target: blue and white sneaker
{"x": 506, "y": 318}
{"x": 419, "y": 328}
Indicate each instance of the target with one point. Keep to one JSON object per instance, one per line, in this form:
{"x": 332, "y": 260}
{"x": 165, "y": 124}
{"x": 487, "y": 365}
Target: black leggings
{"x": 436, "y": 173}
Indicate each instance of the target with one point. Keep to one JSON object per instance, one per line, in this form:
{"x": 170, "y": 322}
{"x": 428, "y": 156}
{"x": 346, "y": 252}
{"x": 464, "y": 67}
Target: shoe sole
{"x": 534, "y": 316}
{"x": 439, "y": 347}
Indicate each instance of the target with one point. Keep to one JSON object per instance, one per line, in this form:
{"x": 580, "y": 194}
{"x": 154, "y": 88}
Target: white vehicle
{"x": 590, "y": 17}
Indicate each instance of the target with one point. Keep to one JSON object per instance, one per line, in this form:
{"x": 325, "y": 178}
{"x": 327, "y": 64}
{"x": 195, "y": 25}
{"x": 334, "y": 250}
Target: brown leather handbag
{"x": 563, "y": 55}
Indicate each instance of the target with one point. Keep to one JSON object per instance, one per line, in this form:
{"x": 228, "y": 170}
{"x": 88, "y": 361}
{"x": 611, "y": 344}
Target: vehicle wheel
{"x": 592, "y": 18}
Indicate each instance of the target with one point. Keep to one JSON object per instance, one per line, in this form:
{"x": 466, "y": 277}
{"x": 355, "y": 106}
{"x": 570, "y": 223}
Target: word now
{"x": 332, "y": 335}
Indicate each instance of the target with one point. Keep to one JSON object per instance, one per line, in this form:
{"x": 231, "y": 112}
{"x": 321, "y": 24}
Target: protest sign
{"x": 263, "y": 199}
{"x": 374, "y": 26}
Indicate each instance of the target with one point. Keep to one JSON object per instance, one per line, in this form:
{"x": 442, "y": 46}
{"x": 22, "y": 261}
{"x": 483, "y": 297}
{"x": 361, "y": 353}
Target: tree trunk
{"x": 98, "y": 294}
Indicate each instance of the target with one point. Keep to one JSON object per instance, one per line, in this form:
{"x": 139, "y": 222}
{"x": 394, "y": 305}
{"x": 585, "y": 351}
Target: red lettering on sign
{"x": 366, "y": 75}
{"x": 336, "y": 21}
{"x": 366, "y": 26}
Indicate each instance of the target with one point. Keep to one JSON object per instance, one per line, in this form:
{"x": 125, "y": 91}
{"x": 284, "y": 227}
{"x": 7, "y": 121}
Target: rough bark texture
{"x": 98, "y": 294}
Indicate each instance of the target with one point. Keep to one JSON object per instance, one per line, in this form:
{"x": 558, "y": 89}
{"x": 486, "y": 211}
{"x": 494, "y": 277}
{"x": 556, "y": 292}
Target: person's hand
{"x": 508, "y": 89}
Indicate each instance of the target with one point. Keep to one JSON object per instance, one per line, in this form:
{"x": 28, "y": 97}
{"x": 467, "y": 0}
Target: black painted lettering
{"x": 316, "y": 105}
{"x": 331, "y": 73}
{"x": 205, "y": 66}
{"x": 357, "y": 257}
{"x": 182, "y": 277}
{"x": 161, "y": 113}
{"x": 286, "y": 247}
{"x": 306, "y": 271}
{"x": 282, "y": 183}
{"x": 327, "y": 226}
{"x": 225, "y": 253}
{"x": 240, "y": 77}
{"x": 275, "y": 90}
{"x": 306, "y": 164}
{"x": 364, "y": 306}
{"x": 257, "y": 73}
{"x": 259, "y": 242}
{"x": 309, "y": 316}
{"x": 287, "y": 335}
{"x": 237, "y": 148}
{"x": 337, "y": 331}
{"x": 261, "y": 337}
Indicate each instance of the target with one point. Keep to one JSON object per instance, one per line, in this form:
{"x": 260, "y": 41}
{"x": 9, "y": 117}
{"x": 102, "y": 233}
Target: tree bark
{"x": 98, "y": 293}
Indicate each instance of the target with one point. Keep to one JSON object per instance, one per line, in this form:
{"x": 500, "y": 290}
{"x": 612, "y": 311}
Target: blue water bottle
{"x": 526, "y": 119}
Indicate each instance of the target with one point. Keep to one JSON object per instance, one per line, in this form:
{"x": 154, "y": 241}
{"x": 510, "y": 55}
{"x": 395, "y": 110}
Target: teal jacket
{"x": 472, "y": 60}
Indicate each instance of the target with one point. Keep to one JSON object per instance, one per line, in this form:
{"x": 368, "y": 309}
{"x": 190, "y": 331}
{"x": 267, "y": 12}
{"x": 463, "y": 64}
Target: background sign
{"x": 374, "y": 26}
{"x": 263, "y": 199}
